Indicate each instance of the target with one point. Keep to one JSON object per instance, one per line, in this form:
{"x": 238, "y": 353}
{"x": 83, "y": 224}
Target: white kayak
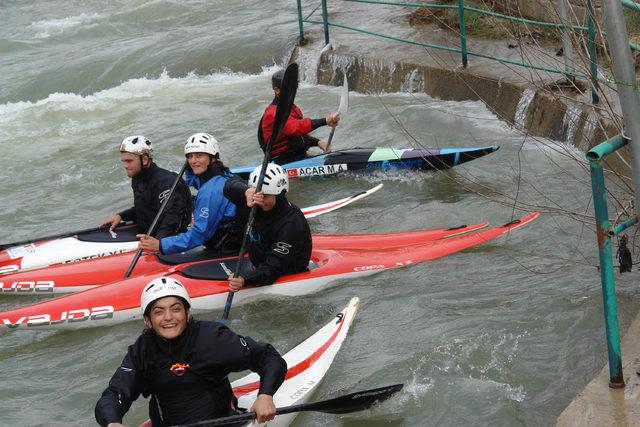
{"x": 307, "y": 364}
{"x": 101, "y": 244}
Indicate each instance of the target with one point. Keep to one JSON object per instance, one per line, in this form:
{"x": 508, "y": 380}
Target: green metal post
{"x": 616, "y": 379}
{"x": 325, "y": 21}
{"x": 463, "y": 33}
{"x": 593, "y": 60}
{"x": 300, "y": 27}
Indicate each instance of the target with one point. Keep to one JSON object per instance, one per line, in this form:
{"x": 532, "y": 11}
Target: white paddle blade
{"x": 344, "y": 97}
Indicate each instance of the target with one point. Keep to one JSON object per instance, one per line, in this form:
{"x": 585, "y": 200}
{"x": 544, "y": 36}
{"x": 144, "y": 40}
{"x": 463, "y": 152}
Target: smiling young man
{"x": 280, "y": 239}
{"x": 217, "y": 223}
{"x": 151, "y": 185}
{"x": 183, "y": 365}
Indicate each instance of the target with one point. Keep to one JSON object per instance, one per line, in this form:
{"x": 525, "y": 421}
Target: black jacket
{"x": 150, "y": 188}
{"x": 280, "y": 240}
{"x": 210, "y": 351}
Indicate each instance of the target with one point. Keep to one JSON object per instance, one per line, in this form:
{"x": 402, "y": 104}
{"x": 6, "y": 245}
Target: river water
{"x": 506, "y": 333}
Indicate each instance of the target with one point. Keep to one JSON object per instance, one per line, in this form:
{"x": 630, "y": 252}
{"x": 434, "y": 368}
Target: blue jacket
{"x": 211, "y": 207}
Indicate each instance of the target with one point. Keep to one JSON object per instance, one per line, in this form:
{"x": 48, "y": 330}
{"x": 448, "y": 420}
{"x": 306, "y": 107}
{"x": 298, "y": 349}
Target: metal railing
{"x": 605, "y": 233}
{"x": 462, "y": 50}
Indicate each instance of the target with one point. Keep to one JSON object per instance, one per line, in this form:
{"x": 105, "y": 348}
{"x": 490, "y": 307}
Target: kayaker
{"x": 294, "y": 140}
{"x": 183, "y": 365}
{"x": 217, "y": 223}
{"x": 280, "y": 239}
{"x": 151, "y": 184}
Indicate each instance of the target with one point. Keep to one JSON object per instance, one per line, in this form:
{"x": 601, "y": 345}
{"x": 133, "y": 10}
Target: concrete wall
{"x": 546, "y": 115}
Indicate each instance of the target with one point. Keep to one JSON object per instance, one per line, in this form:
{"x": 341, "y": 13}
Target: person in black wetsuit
{"x": 280, "y": 239}
{"x": 294, "y": 141}
{"x": 183, "y": 365}
{"x": 151, "y": 185}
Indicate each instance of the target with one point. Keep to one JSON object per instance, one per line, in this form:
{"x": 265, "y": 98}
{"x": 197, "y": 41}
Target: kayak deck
{"x": 355, "y": 159}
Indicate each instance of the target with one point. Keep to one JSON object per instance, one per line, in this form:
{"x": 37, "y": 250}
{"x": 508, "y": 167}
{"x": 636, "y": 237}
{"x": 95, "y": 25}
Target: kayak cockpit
{"x": 126, "y": 233}
{"x": 199, "y": 253}
{"x": 221, "y": 269}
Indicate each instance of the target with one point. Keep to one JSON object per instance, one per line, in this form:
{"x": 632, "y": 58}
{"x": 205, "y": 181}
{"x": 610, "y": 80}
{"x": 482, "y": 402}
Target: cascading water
{"x": 413, "y": 82}
{"x": 570, "y": 122}
{"x": 523, "y": 107}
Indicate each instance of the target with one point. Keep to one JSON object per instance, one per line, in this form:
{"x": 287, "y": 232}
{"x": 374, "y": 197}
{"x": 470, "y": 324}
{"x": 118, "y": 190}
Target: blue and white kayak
{"x": 353, "y": 159}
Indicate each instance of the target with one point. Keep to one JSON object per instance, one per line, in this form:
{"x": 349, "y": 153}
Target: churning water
{"x": 505, "y": 333}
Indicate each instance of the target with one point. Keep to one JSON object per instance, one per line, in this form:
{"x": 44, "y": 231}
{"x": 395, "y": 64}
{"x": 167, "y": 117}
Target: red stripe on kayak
{"x": 292, "y": 372}
{"x": 307, "y": 212}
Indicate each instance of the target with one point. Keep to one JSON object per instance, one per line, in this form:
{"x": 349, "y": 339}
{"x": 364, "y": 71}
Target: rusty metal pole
{"x": 595, "y": 157}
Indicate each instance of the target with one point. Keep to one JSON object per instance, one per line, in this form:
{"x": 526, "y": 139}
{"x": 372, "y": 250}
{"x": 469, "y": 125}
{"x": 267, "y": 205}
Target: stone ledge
{"x": 536, "y": 111}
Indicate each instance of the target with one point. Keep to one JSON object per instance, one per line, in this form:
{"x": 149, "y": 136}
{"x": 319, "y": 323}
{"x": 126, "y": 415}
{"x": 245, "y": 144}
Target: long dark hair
{"x": 219, "y": 163}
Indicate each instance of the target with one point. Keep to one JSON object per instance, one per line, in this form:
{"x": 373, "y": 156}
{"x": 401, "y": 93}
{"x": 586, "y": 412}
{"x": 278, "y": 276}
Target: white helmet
{"x": 275, "y": 179}
{"x": 202, "y": 143}
{"x": 162, "y": 287}
{"x": 136, "y": 144}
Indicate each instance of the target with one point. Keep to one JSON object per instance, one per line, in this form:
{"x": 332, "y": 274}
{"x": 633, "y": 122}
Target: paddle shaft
{"x": 333, "y": 130}
{"x": 283, "y": 109}
{"x": 153, "y": 225}
{"x": 353, "y": 402}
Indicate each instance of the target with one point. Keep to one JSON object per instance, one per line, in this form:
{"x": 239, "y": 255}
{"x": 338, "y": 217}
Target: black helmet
{"x": 276, "y": 78}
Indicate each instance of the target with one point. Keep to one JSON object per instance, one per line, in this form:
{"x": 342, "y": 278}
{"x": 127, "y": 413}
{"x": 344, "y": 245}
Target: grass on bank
{"x": 490, "y": 27}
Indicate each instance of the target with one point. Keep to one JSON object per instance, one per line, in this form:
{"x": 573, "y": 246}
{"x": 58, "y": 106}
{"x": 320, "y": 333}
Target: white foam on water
{"x": 413, "y": 82}
{"x": 523, "y": 107}
{"x": 476, "y": 113}
{"x": 589, "y": 126}
{"x": 418, "y": 389}
{"x": 515, "y": 393}
{"x": 53, "y": 27}
{"x": 308, "y": 61}
{"x": 550, "y": 147}
{"x": 64, "y": 179}
{"x": 131, "y": 89}
{"x": 570, "y": 122}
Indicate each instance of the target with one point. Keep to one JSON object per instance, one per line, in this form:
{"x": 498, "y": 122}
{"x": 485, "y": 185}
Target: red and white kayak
{"x": 80, "y": 276}
{"x": 307, "y": 364}
{"x": 206, "y": 282}
{"x": 102, "y": 243}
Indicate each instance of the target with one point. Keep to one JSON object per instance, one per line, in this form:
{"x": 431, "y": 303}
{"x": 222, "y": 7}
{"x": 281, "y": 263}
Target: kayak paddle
{"x": 343, "y": 107}
{"x": 288, "y": 90}
{"x": 353, "y": 402}
{"x": 152, "y": 227}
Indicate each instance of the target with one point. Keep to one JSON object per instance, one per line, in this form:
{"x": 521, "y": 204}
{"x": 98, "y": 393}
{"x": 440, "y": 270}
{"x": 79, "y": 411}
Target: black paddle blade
{"x": 355, "y": 401}
{"x": 288, "y": 90}
{"x": 340, "y": 405}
